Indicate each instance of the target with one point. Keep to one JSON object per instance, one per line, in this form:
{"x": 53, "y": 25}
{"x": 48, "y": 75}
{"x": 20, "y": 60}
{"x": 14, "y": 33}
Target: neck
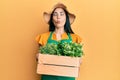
{"x": 59, "y": 30}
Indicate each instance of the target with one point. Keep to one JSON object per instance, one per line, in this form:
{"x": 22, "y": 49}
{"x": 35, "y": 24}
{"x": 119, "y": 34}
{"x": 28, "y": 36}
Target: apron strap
{"x": 69, "y": 36}
{"x": 50, "y": 37}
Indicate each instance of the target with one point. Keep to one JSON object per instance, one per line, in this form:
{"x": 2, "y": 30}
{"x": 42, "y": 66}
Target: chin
{"x": 59, "y": 26}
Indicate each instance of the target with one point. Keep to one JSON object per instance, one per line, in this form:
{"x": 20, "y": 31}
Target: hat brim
{"x": 59, "y": 5}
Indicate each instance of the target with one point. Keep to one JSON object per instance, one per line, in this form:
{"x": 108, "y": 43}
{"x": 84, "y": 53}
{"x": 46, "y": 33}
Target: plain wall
{"x": 97, "y": 22}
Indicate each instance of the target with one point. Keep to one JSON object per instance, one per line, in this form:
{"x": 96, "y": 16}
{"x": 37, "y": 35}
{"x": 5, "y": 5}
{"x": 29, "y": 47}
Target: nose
{"x": 58, "y": 16}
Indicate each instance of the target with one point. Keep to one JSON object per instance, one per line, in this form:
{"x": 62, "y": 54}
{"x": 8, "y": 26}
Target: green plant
{"x": 65, "y": 49}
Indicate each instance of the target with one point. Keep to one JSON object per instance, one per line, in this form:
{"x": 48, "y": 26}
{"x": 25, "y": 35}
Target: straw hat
{"x": 59, "y": 5}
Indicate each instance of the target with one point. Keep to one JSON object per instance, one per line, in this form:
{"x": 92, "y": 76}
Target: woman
{"x": 59, "y": 21}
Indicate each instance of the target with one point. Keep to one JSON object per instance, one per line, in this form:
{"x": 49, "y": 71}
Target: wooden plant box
{"x": 58, "y": 65}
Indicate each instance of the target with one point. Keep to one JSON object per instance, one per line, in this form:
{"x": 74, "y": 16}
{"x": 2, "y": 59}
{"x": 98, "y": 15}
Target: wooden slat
{"x": 57, "y": 70}
{"x": 59, "y": 60}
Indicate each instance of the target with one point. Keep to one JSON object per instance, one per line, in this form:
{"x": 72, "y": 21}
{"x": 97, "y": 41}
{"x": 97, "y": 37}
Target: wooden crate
{"x": 58, "y": 65}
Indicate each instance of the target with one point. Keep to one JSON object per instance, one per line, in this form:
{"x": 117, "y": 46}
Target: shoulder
{"x": 43, "y": 35}
{"x": 74, "y": 35}
{"x": 42, "y": 38}
{"x": 76, "y": 38}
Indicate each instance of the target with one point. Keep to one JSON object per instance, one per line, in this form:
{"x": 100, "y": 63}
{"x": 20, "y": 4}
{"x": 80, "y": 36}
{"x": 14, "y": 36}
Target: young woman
{"x": 59, "y": 21}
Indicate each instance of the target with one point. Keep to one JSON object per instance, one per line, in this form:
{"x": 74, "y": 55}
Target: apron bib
{"x": 51, "y": 77}
{"x": 56, "y": 42}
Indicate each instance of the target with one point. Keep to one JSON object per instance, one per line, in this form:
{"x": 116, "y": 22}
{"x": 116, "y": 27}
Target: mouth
{"x": 58, "y": 22}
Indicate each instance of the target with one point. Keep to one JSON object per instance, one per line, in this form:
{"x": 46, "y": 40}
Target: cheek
{"x": 64, "y": 20}
{"x": 54, "y": 19}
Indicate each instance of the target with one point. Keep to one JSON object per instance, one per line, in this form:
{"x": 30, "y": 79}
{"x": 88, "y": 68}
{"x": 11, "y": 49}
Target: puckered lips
{"x": 58, "y": 22}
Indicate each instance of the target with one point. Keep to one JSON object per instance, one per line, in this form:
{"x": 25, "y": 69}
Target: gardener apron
{"x": 52, "y": 77}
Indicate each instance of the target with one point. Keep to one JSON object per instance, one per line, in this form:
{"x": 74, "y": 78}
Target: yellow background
{"x": 97, "y": 22}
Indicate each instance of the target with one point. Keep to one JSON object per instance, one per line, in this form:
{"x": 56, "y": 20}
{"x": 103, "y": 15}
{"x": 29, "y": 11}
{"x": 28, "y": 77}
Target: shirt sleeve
{"x": 78, "y": 39}
{"x": 39, "y": 39}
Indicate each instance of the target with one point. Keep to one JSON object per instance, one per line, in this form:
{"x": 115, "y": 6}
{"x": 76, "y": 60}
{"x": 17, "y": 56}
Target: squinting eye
{"x": 54, "y": 14}
{"x": 62, "y": 14}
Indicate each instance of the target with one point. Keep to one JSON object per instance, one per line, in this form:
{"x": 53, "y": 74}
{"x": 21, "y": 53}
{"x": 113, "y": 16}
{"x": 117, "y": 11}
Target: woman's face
{"x": 59, "y": 17}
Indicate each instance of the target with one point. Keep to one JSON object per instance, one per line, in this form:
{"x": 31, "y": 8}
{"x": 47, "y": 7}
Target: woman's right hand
{"x": 37, "y": 55}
